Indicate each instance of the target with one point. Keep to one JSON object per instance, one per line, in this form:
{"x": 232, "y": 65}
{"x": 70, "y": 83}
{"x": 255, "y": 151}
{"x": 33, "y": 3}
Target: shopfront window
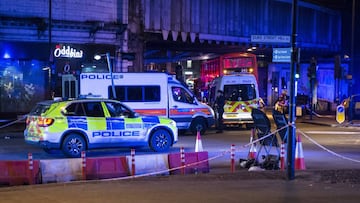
{"x": 22, "y": 84}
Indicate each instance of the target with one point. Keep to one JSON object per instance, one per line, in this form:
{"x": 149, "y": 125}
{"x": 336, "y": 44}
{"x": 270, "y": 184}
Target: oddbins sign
{"x": 340, "y": 114}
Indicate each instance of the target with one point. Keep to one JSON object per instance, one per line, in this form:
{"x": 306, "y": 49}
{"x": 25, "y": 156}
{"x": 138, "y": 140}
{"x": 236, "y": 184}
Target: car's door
{"x": 182, "y": 106}
{"x": 124, "y": 126}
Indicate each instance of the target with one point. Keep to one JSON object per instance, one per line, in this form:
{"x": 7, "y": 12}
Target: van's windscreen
{"x": 240, "y": 92}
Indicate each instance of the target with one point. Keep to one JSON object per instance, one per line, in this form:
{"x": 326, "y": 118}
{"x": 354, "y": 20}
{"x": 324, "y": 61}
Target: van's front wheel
{"x": 198, "y": 124}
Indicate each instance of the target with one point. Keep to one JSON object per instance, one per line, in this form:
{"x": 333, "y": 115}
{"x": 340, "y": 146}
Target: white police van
{"x": 152, "y": 94}
{"x": 241, "y": 96}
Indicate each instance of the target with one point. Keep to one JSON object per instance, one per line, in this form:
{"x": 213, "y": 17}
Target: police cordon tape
{"x": 326, "y": 149}
{"x": 29, "y": 171}
{"x": 23, "y": 117}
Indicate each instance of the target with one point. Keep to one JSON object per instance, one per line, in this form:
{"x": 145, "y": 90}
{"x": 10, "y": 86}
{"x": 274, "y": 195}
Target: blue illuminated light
{"x": 6, "y": 56}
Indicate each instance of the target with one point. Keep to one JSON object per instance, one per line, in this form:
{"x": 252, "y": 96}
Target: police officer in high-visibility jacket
{"x": 281, "y": 104}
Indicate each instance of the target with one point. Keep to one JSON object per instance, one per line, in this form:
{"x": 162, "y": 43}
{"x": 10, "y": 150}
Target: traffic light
{"x": 179, "y": 73}
{"x": 312, "y": 68}
{"x": 337, "y": 68}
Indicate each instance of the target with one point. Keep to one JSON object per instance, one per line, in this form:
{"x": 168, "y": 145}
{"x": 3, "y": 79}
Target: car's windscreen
{"x": 240, "y": 92}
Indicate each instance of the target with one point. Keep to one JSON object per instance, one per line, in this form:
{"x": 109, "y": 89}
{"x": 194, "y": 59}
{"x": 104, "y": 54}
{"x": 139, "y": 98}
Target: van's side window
{"x": 152, "y": 93}
{"x": 136, "y": 93}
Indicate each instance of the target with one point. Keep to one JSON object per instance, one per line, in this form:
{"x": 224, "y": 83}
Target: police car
{"x": 81, "y": 124}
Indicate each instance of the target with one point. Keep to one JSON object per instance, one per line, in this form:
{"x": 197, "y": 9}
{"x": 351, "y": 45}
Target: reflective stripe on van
{"x": 158, "y": 112}
{"x": 240, "y": 106}
{"x": 189, "y": 111}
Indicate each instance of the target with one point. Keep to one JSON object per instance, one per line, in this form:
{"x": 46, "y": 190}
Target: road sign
{"x": 340, "y": 114}
{"x": 282, "y": 55}
{"x": 270, "y": 38}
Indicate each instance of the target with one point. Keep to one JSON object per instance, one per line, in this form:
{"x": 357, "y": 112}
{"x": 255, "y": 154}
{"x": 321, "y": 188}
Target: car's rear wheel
{"x": 160, "y": 140}
{"x": 73, "y": 145}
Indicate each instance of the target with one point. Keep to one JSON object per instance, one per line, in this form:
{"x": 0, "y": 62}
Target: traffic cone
{"x": 252, "y": 151}
{"x": 198, "y": 144}
{"x": 282, "y": 156}
{"x": 299, "y": 155}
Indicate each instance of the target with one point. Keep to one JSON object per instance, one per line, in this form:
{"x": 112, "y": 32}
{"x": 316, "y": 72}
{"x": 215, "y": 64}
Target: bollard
{"x": 31, "y": 168}
{"x": 182, "y": 157}
{"x": 282, "y": 156}
{"x": 83, "y": 165}
{"x": 232, "y": 158}
{"x": 132, "y": 153}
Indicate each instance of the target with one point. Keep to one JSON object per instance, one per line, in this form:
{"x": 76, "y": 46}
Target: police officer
{"x": 281, "y": 104}
{"x": 219, "y": 104}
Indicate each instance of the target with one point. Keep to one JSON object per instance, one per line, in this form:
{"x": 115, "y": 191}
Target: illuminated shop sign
{"x": 67, "y": 52}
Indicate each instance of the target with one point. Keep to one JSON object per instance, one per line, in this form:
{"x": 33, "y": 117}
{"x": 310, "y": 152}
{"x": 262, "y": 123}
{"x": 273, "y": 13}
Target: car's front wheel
{"x": 73, "y": 145}
{"x": 160, "y": 140}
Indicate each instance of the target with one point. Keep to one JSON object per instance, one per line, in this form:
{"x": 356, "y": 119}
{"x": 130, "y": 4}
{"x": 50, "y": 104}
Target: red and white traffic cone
{"x": 282, "y": 156}
{"x": 198, "y": 144}
{"x": 299, "y": 155}
{"x": 252, "y": 152}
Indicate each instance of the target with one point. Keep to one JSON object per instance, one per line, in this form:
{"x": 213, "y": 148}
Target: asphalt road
{"x": 328, "y": 178}
{"x": 269, "y": 186}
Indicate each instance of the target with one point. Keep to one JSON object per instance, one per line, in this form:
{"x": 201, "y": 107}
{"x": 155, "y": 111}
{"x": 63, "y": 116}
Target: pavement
{"x": 327, "y": 119}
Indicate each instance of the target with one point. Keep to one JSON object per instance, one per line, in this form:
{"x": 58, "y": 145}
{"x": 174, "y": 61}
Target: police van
{"x": 152, "y": 94}
{"x": 81, "y": 124}
{"x": 241, "y": 95}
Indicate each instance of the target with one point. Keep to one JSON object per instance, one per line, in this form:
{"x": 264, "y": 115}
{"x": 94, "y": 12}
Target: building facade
{"x": 46, "y": 44}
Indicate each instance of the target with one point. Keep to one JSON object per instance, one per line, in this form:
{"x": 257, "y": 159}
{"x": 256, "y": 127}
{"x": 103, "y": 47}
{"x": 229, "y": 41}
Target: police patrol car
{"x": 81, "y": 124}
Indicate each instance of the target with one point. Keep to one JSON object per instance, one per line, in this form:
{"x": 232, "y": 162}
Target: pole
{"x": 83, "y": 168}
{"x": 351, "y": 69}
{"x": 132, "y": 153}
{"x": 111, "y": 75}
{"x": 51, "y": 58}
{"x": 182, "y": 158}
{"x": 292, "y": 127}
{"x": 31, "y": 168}
{"x": 311, "y": 96}
{"x": 232, "y": 157}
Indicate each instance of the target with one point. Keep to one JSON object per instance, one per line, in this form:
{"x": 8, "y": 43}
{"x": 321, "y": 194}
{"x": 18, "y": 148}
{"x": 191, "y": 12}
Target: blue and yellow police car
{"x": 77, "y": 125}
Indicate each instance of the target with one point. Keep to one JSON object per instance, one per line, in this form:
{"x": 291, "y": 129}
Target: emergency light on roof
{"x": 57, "y": 99}
{"x": 89, "y": 96}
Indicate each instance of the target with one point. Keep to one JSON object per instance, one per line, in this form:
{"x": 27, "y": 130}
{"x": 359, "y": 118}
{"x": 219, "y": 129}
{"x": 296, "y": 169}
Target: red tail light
{"x": 45, "y": 122}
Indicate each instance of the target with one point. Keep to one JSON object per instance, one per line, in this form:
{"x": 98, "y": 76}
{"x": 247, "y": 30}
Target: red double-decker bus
{"x": 228, "y": 64}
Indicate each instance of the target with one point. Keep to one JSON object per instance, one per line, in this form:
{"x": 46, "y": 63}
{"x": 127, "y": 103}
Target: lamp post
{"x": 48, "y": 78}
{"x": 292, "y": 127}
{"x": 109, "y": 64}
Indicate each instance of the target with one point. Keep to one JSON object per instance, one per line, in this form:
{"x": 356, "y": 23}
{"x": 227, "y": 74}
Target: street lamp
{"x": 48, "y": 69}
{"x": 98, "y": 57}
